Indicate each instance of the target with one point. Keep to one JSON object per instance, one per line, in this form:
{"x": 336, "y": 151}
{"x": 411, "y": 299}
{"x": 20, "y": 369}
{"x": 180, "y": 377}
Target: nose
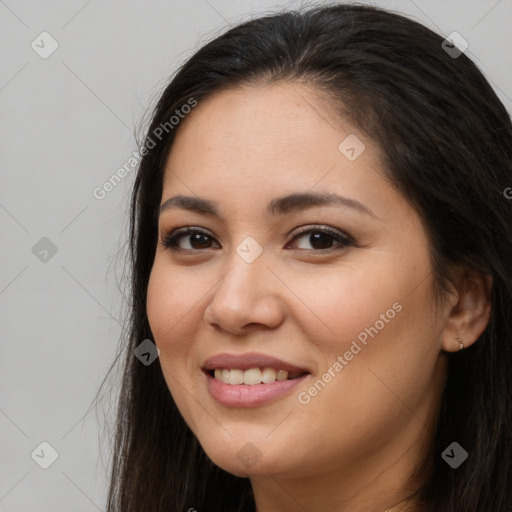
{"x": 248, "y": 296}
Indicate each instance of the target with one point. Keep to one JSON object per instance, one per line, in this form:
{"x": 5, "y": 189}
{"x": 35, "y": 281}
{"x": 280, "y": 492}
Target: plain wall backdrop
{"x": 76, "y": 78}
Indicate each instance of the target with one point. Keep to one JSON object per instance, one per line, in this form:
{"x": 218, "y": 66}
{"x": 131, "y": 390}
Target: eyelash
{"x": 170, "y": 241}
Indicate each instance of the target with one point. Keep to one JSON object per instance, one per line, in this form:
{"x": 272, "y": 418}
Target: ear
{"x": 470, "y": 310}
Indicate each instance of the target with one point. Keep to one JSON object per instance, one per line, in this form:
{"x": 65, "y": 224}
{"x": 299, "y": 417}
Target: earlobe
{"x": 470, "y": 314}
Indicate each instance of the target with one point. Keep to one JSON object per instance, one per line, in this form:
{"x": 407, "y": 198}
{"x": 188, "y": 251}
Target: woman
{"x": 321, "y": 249}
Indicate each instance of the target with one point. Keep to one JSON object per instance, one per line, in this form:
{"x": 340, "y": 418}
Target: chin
{"x": 245, "y": 458}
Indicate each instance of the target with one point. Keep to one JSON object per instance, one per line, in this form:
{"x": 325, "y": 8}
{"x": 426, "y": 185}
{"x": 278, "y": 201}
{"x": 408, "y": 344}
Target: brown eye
{"x": 323, "y": 239}
{"x": 317, "y": 240}
{"x": 196, "y": 240}
{"x": 320, "y": 240}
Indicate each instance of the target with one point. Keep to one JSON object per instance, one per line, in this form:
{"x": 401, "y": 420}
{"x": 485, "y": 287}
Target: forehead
{"x": 283, "y": 130}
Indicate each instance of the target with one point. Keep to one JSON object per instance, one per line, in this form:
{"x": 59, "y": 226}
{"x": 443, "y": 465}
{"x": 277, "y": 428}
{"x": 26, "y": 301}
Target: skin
{"x": 355, "y": 444}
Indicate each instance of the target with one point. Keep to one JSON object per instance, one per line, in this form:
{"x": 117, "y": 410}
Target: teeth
{"x": 268, "y": 375}
{"x": 282, "y": 375}
{"x": 253, "y": 375}
{"x": 236, "y": 376}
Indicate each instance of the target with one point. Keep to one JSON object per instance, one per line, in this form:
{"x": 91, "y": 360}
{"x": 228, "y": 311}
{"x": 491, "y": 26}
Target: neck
{"x": 282, "y": 500}
{"x": 372, "y": 487}
{"x": 377, "y": 482}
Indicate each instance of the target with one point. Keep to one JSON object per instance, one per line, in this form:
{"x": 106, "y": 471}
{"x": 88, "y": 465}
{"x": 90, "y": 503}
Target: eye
{"x": 322, "y": 239}
{"x": 197, "y": 239}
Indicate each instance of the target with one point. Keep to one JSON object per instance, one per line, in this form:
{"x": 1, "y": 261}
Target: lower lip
{"x": 244, "y": 395}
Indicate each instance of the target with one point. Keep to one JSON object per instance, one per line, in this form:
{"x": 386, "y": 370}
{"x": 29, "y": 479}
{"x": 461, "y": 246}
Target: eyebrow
{"x": 279, "y": 206}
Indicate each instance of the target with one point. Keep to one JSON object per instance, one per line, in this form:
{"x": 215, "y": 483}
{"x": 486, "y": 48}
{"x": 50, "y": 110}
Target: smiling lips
{"x": 251, "y": 379}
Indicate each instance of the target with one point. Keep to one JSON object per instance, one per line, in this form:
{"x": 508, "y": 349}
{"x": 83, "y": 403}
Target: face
{"x": 340, "y": 294}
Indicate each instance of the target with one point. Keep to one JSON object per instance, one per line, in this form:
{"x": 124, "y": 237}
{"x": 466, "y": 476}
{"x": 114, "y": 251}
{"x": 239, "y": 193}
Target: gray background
{"x": 67, "y": 124}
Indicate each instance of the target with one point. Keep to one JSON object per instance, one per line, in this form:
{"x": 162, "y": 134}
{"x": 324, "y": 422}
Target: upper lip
{"x": 249, "y": 360}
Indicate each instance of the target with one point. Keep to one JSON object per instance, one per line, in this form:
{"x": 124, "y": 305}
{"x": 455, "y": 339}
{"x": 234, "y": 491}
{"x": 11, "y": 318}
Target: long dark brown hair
{"x": 447, "y": 144}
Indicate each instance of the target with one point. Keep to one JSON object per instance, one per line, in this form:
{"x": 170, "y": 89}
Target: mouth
{"x": 252, "y": 376}
{"x": 250, "y": 380}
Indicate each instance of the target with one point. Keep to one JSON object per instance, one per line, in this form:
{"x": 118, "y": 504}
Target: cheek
{"x": 344, "y": 305}
{"x": 170, "y": 302}
{"x": 380, "y": 321}
{"x": 170, "y": 313}
{"x": 160, "y": 307}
